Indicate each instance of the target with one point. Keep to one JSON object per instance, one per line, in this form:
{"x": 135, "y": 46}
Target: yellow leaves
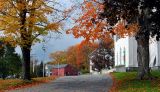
{"x": 20, "y": 6}
{"x": 9, "y": 25}
{"x": 47, "y": 10}
{"x": 53, "y": 26}
{"x": 38, "y": 29}
{"x": 1, "y": 5}
{"x": 10, "y": 39}
{"x": 32, "y": 19}
{"x": 15, "y": 22}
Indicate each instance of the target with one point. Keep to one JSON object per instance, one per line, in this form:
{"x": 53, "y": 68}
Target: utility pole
{"x": 44, "y": 49}
{"x": 58, "y": 68}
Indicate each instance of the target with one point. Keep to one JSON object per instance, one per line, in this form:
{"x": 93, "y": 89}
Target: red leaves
{"x": 121, "y": 29}
{"x": 88, "y": 5}
{"x": 85, "y": 27}
{"x": 91, "y": 28}
{"x": 88, "y": 25}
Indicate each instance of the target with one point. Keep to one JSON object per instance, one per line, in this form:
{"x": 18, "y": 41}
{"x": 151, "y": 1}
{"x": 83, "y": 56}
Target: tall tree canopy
{"x": 137, "y": 18}
{"x": 88, "y": 25}
{"x": 145, "y": 14}
{"x": 22, "y": 21}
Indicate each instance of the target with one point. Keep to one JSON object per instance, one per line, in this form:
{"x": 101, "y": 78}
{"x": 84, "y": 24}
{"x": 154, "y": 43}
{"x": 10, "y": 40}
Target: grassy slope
{"x": 126, "y": 82}
{"x": 17, "y": 83}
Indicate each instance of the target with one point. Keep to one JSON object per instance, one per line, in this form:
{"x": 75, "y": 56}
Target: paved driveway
{"x": 83, "y": 83}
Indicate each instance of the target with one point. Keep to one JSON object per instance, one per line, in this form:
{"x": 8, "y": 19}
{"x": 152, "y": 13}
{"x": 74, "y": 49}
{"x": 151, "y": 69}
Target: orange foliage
{"x": 82, "y": 52}
{"x": 76, "y": 55}
{"x": 91, "y": 27}
{"x": 85, "y": 26}
{"x": 121, "y": 30}
{"x": 71, "y": 55}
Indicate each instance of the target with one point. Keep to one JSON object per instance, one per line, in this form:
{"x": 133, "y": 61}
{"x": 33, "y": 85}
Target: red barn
{"x": 64, "y": 70}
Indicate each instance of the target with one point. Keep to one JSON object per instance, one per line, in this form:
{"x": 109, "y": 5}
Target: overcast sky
{"x": 57, "y": 42}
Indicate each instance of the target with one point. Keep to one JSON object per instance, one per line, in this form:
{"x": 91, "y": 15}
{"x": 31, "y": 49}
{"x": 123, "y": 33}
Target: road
{"x": 83, "y": 83}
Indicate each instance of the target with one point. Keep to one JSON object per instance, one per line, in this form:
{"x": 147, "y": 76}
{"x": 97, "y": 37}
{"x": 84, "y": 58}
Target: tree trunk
{"x": 26, "y": 62}
{"x": 143, "y": 57}
{"x": 3, "y": 76}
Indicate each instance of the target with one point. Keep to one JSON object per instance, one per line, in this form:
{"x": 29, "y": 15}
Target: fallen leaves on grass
{"x": 114, "y": 86}
{"x": 11, "y": 84}
{"x": 127, "y": 82}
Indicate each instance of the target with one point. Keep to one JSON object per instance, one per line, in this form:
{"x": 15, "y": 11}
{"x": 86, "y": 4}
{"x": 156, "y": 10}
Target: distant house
{"x": 48, "y": 70}
{"x": 64, "y": 70}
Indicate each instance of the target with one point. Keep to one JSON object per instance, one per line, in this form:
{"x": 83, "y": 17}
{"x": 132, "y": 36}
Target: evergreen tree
{"x": 10, "y": 62}
{"x": 40, "y": 69}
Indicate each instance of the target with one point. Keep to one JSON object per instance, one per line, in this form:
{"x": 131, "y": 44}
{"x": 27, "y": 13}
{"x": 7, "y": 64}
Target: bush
{"x": 84, "y": 71}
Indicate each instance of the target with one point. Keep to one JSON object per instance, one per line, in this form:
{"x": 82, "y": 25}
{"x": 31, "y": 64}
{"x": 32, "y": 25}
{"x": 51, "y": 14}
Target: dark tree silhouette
{"x": 102, "y": 57}
{"x": 40, "y": 69}
{"x": 144, "y": 12}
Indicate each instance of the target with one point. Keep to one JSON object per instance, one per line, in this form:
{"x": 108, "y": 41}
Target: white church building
{"x": 126, "y": 53}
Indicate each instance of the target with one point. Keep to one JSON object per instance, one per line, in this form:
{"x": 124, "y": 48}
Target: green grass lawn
{"x": 127, "y": 82}
{"x": 17, "y": 83}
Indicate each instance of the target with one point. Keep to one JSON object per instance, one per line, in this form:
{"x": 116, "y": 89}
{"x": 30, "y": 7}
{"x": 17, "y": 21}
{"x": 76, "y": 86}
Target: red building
{"x": 64, "y": 70}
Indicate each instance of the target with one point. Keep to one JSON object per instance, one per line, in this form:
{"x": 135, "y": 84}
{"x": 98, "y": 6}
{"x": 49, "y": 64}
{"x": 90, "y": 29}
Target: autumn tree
{"x": 145, "y": 14}
{"x": 88, "y": 26}
{"x": 23, "y": 21}
{"x": 139, "y": 18}
{"x": 76, "y": 55}
{"x": 84, "y": 49}
{"x": 91, "y": 28}
{"x": 71, "y": 55}
{"x": 58, "y": 57}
